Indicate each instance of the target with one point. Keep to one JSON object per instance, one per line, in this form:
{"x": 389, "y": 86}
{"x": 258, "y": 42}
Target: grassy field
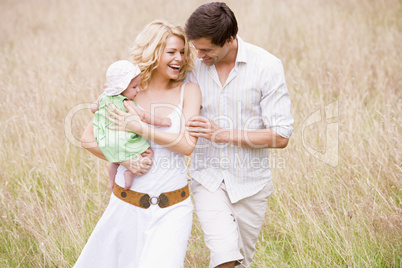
{"x": 338, "y": 184}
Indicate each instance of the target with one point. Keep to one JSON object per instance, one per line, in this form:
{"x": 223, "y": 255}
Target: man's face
{"x": 208, "y": 52}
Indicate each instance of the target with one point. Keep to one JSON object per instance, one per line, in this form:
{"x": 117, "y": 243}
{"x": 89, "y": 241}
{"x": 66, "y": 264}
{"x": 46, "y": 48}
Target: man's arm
{"x": 275, "y": 107}
{"x": 261, "y": 138}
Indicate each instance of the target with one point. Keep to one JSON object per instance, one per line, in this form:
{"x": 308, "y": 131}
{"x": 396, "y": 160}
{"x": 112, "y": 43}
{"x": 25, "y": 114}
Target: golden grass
{"x": 53, "y": 57}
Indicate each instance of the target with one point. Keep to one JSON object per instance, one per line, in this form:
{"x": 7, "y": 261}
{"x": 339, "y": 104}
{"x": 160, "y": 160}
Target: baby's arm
{"x": 148, "y": 118}
{"x": 95, "y": 105}
{"x": 156, "y": 121}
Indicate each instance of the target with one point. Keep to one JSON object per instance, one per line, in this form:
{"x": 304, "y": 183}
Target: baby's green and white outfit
{"x": 117, "y": 146}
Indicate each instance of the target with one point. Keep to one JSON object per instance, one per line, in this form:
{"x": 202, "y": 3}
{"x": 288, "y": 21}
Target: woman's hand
{"x": 123, "y": 121}
{"x": 138, "y": 165}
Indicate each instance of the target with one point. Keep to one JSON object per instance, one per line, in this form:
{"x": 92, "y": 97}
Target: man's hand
{"x": 202, "y": 127}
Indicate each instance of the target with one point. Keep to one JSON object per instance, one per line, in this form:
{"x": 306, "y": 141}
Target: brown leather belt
{"x": 145, "y": 201}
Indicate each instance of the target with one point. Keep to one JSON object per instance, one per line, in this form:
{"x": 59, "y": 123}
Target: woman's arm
{"x": 181, "y": 142}
{"x": 138, "y": 165}
{"x": 89, "y": 143}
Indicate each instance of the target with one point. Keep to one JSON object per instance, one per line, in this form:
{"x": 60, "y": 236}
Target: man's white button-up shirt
{"x": 254, "y": 96}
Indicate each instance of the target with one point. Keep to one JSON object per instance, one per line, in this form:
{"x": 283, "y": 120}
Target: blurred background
{"x": 338, "y": 189}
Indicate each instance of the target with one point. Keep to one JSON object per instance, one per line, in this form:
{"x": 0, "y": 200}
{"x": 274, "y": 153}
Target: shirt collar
{"x": 241, "y": 51}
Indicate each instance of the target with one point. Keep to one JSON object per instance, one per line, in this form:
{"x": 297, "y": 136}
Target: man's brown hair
{"x": 214, "y": 21}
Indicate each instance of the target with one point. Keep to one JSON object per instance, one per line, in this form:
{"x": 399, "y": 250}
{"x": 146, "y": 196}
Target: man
{"x": 245, "y": 111}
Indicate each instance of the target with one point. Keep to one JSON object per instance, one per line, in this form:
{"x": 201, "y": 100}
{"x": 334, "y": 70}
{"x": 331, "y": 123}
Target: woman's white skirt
{"x": 129, "y": 236}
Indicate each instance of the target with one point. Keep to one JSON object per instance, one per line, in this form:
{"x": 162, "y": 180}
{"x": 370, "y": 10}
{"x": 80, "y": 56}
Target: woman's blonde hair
{"x": 151, "y": 42}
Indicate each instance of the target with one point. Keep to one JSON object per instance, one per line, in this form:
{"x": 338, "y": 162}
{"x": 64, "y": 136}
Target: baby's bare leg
{"x": 128, "y": 179}
{"x": 112, "y": 174}
{"x": 128, "y": 175}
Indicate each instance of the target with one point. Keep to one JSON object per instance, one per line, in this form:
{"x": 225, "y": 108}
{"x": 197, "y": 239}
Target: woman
{"x": 149, "y": 225}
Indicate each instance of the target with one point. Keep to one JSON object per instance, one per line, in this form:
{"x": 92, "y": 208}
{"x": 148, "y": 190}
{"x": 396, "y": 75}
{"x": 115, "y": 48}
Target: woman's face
{"x": 172, "y": 58}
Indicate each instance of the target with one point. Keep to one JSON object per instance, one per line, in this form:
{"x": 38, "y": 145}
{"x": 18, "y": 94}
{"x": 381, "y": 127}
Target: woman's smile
{"x": 172, "y": 57}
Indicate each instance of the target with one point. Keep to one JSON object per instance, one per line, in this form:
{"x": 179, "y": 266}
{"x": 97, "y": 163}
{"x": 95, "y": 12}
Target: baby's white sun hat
{"x": 119, "y": 76}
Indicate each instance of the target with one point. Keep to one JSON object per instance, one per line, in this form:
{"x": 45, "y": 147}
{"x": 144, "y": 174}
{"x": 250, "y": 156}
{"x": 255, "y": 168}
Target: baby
{"x": 123, "y": 79}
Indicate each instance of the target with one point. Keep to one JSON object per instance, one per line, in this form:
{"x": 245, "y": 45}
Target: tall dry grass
{"x": 53, "y": 57}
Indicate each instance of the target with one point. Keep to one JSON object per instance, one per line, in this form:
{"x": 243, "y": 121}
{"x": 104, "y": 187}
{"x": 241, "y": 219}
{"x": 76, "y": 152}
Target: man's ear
{"x": 230, "y": 40}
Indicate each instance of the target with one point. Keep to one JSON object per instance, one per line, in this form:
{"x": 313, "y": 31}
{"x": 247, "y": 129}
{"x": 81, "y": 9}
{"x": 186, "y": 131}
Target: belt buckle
{"x": 163, "y": 201}
{"x": 146, "y": 201}
{"x": 152, "y": 202}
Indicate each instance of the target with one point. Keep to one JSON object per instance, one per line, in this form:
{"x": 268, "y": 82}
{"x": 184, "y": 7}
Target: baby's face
{"x": 133, "y": 88}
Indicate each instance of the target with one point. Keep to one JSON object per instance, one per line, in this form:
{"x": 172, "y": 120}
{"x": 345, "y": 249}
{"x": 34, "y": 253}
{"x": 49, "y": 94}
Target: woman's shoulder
{"x": 190, "y": 87}
{"x": 192, "y": 93}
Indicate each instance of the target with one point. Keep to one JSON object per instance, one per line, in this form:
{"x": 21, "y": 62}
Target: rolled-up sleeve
{"x": 275, "y": 102}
